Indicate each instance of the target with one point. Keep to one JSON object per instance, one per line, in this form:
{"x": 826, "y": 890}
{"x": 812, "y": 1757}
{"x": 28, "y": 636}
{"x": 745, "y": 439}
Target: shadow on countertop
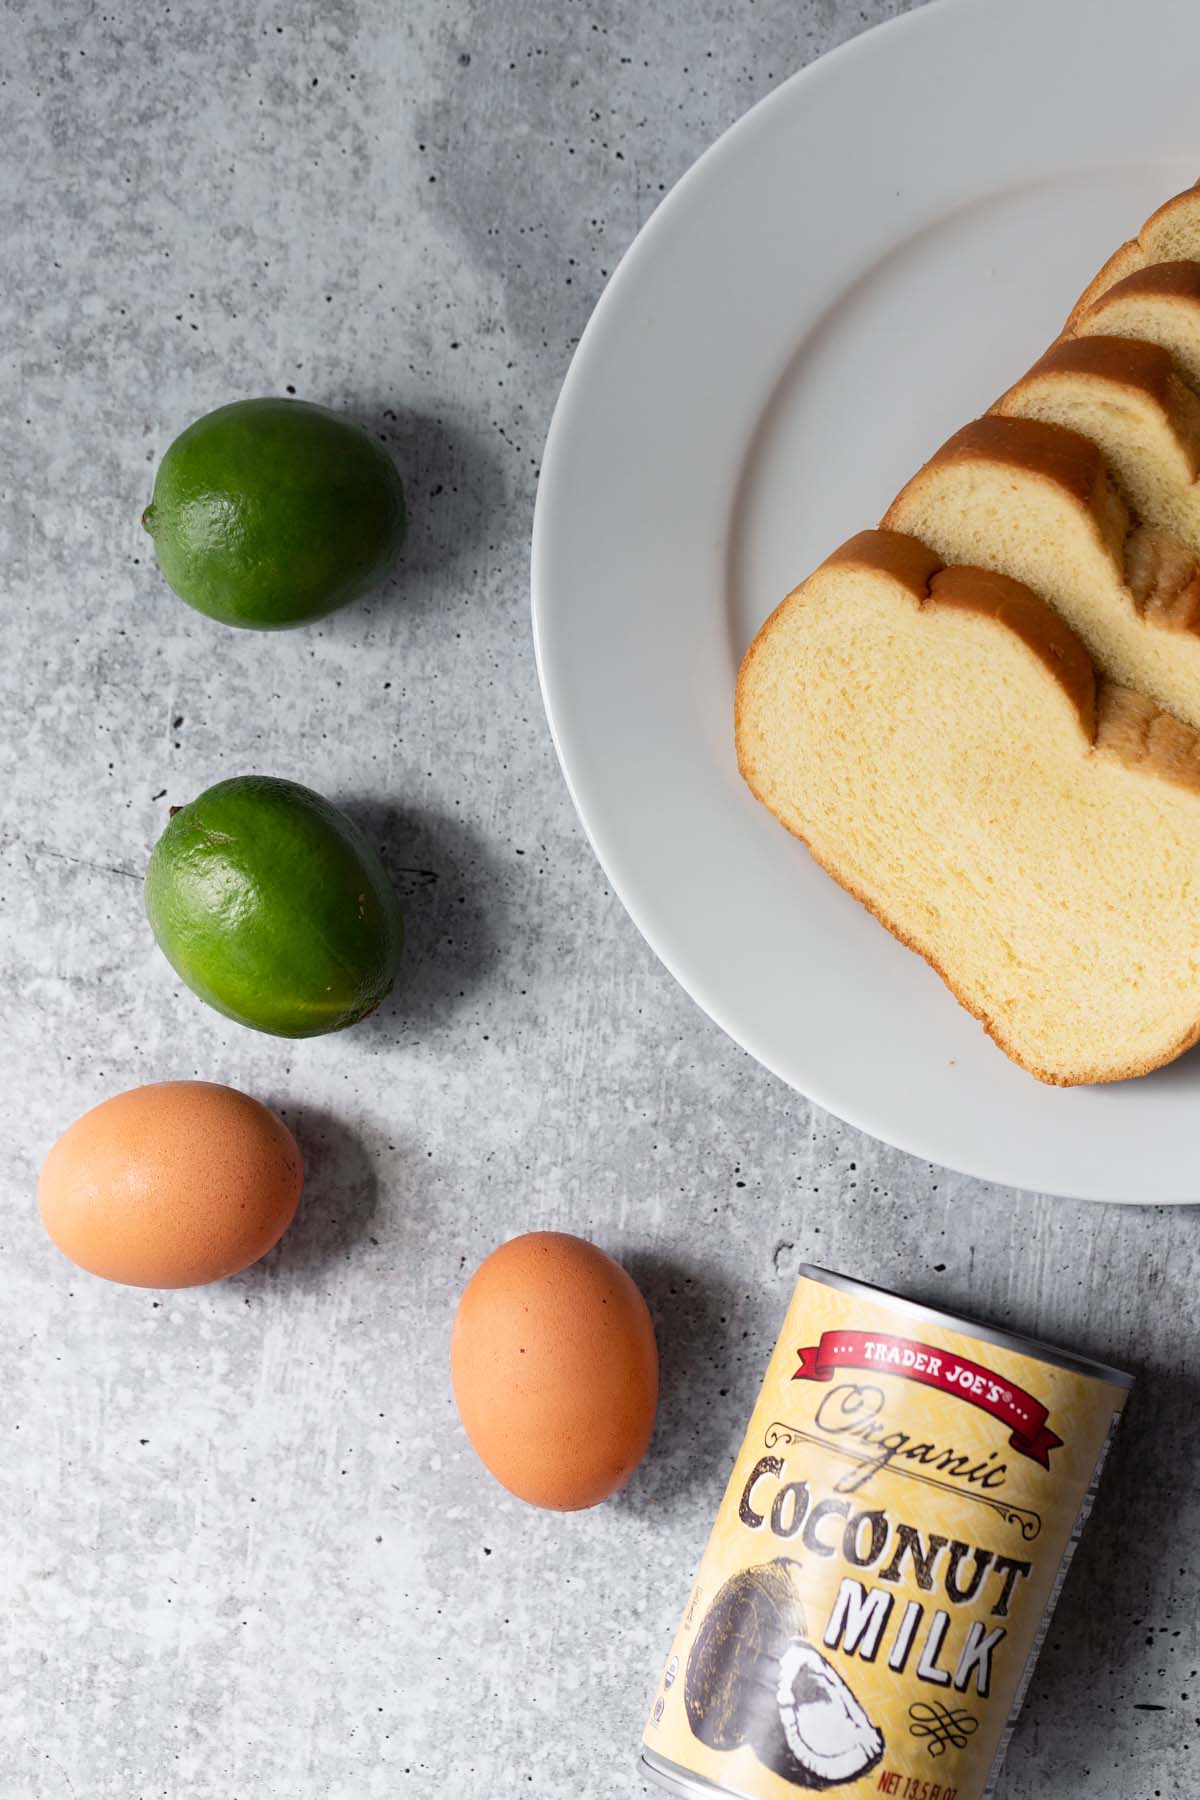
{"x": 450, "y": 893}
{"x": 705, "y": 1394}
{"x": 337, "y": 1206}
{"x": 454, "y": 485}
{"x": 458, "y": 511}
{"x": 1120, "y": 1652}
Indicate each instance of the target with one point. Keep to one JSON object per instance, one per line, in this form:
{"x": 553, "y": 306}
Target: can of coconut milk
{"x": 886, "y": 1558}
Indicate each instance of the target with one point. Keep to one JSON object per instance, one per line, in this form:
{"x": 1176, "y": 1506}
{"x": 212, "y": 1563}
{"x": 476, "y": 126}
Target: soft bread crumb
{"x": 938, "y": 739}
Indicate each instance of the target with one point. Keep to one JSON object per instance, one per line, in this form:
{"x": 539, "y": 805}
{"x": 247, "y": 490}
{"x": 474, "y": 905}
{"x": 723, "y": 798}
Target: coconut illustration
{"x": 828, "y": 1736}
{"x": 733, "y": 1672}
{"x": 753, "y": 1678}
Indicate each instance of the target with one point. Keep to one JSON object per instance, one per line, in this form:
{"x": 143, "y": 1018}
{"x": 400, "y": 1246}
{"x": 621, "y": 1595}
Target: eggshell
{"x": 555, "y": 1370}
{"x": 171, "y": 1185}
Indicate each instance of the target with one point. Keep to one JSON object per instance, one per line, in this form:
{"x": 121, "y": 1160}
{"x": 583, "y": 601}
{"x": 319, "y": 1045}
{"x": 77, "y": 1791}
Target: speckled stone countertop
{"x": 247, "y": 1552}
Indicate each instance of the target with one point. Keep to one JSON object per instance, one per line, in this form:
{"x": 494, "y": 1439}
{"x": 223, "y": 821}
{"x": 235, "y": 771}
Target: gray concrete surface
{"x": 247, "y": 1553}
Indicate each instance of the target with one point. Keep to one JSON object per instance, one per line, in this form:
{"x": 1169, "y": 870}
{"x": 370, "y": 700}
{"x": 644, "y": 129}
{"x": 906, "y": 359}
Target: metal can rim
{"x": 988, "y": 1334}
{"x": 680, "y": 1781}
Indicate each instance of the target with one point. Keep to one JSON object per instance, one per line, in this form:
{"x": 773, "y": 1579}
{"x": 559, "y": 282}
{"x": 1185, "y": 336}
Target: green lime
{"x": 274, "y": 908}
{"x": 268, "y": 513}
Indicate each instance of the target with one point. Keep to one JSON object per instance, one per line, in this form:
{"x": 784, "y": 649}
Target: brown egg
{"x": 171, "y": 1185}
{"x": 555, "y": 1370}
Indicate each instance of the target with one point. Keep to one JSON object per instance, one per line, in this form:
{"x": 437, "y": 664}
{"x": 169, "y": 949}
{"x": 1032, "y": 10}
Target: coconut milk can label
{"x": 883, "y": 1558}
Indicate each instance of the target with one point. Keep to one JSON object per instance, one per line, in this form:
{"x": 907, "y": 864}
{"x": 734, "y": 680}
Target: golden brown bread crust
{"x": 1174, "y": 280}
{"x": 1126, "y": 362}
{"x": 1127, "y": 366}
{"x": 1065, "y": 457}
{"x": 1160, "y": 304}
{"x": 1007, "y": 603}
{"x": 1132, "y": 255}
{"x": 1018, "y": 609}
{"x": 906, "y": 559}
{"x": 1162, "y": 576}
{"x": 1116, "y": 722}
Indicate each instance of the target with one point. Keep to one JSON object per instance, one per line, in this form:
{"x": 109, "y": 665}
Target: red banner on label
{"x": 1024, "y": 1416}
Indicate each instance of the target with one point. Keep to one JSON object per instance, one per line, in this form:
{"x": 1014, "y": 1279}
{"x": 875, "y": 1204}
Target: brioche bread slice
{"x": 1127, "y": 398}
{"x": 1171, "y": 234}
{"x": 1158, "y": 305}
{"x": 938, "y": 739}
{"x": 1035, "y": 502}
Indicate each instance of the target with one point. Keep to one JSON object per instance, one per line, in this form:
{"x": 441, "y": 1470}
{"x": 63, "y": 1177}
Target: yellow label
{"x": 885, "y": 1554}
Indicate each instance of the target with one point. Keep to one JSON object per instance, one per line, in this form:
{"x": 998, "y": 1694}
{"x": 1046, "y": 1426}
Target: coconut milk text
{"x": 861, "y": 1621}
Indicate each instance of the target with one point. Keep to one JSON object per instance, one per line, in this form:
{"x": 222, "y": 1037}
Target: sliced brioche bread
{"x": 1034, "y": 502}
{"x": 1159, "y": 305}
{"x": 1171, "y": 234}
{"x": 1127, "y": 398}
{"x": 938, "y": 739}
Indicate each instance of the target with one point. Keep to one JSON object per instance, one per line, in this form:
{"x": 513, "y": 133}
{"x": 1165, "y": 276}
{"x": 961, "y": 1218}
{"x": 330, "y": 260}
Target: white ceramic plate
{"x": 858, "y": 267}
